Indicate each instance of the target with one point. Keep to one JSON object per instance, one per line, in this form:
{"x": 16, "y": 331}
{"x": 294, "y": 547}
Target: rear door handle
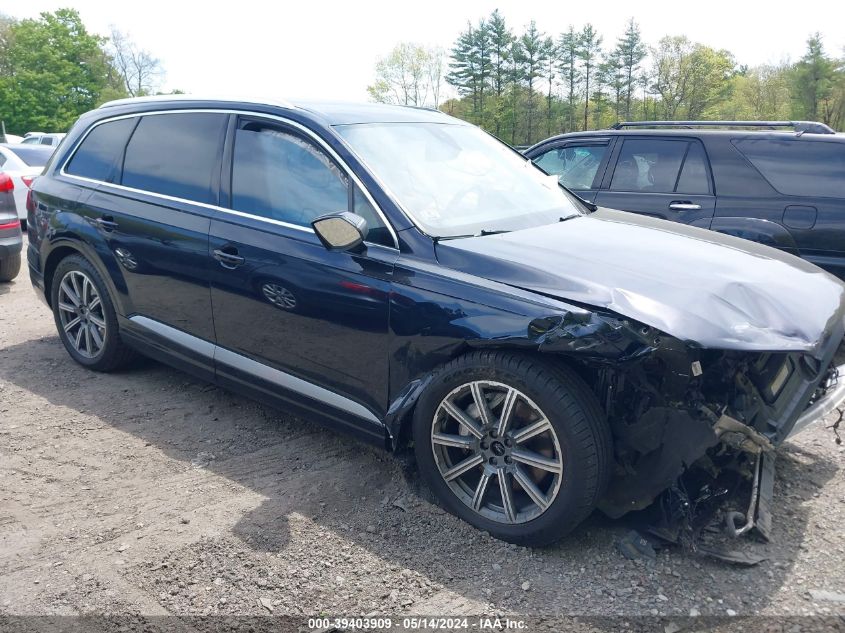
{"x": 107, "y": 223}
{"x": 228, "y": 257}
{"x": 684, "y": 205}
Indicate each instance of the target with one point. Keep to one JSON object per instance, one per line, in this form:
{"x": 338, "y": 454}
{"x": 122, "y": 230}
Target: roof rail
{"x": 812, "y": 127}
{"x": 189, "y": 97}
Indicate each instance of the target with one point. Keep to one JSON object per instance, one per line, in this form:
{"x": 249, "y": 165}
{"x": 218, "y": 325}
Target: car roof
{"x": 331, "y": 112}
{"x": 687, "y": 132}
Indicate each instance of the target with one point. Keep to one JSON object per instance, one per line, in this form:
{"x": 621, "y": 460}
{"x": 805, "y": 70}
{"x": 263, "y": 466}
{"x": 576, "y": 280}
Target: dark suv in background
{"x": 783, "y": 189}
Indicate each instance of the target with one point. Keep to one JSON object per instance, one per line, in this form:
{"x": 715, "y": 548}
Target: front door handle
{"x": 107, "y": 223}
{"x": 684, "y": 205}
{"x": 228, "y": 257}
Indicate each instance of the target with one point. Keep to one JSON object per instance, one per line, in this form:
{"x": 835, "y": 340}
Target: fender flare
{"x": 757, "y": 230}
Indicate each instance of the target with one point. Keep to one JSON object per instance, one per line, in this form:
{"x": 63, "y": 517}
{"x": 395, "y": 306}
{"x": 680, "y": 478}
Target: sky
{"x": 327, "y": 49}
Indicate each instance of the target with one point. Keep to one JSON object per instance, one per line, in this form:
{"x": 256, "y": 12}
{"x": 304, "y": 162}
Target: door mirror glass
{"x": 341, "y": 231}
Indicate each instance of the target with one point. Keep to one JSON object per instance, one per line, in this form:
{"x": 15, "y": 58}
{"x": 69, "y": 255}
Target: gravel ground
{"x": 148, "y": 493}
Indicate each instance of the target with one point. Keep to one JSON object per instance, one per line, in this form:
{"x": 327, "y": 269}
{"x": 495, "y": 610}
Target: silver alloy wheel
{"x": 497, "y": 451}
{"x": 279, "y": 296}
{"x": 81, "y": 314}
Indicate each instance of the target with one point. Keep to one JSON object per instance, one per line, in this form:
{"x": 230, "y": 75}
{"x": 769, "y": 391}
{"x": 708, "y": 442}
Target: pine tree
{"x": 501, "y": 48}
{"x": 533, "y": 60}
{"x": 568, "y": 66}
{"x": 589, "y": 51}
{"x": 631, "y": 52}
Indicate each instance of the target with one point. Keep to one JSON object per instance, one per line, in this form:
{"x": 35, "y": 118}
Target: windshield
{"x": 32, "y": 156}
{"x": 454, "y": 179}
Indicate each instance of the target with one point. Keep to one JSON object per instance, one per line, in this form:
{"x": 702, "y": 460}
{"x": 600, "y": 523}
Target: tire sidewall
{"x": 111, "y": 341}
{"x": 566, "y": 511}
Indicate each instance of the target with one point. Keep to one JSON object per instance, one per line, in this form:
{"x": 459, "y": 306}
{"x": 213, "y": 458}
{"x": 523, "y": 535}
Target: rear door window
{"x": 649, "y": 165}
{"x": 798, "y": 167}
{"x": 176, "y": 155}
{"x": 574, "y": 165}
{"x": 98, "y": 156}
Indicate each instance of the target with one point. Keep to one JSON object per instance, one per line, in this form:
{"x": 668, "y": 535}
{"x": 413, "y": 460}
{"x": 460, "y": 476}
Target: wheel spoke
{"x": 540, "y": 426}
{"x": 481, "y": 403}
{"x": 480, "y": 489}
{"x": 458, "y": 441}
{"x": 536, "y": 460}
{"x": 66, "y": 307}
{"x": 507, "y": 495}
{"x": 88, "y": 341}
{"x": 507, "y": 410}
{"x": 528, "y": 486}
{"x": 97, "y": 321}
{"x": 463, "y": 419}
{"x": 70, "y": 293}
{"x": 78, "y": 341}
{"x": 95, "y": 303}
{"x": 95, "y": 334}
{"x": 74, "y": 281}
{"x": 85, "y": 290}
{"x": 462, "y": 467}
{"x": 70, "y": 324}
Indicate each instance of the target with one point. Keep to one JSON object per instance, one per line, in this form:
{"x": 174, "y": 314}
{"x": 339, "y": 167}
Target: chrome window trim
{"x": 216, "y": 354}
{"x": 261, "y": 115}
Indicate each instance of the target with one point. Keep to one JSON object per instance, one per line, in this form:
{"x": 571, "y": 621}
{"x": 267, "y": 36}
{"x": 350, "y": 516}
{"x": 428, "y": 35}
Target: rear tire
{"x": 10, "y": 267}
{"x": 85, "y": 316}
{"x": 530, "y": 479}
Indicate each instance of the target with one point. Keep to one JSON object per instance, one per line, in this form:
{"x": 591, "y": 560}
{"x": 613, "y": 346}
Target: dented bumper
{"x": 833, "y": 398}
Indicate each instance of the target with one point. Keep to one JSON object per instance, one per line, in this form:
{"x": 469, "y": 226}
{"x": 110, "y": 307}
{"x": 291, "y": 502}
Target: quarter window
{"x": 281, "y": 176}
{"x": 99, "y": 154}
{"x": 176, "y": 155}
{"x": 575, "y": 166}
{"x": 798, "y": 167}
{"x": 694, "y": 178}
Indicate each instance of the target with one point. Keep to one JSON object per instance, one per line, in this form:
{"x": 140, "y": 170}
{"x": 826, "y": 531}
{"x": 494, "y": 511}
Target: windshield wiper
{"x": 484, "y": 232}
{"x": 481, "y": 233}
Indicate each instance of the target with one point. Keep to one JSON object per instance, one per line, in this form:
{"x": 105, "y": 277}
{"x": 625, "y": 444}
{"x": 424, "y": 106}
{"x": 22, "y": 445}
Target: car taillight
{"x": 6, "y": 183}
{"x": 30, "y": 203}
{"x": 27, "y": 180}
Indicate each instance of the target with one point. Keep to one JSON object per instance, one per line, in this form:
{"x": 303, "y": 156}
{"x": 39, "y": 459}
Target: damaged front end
{"x": 675, "y": 408}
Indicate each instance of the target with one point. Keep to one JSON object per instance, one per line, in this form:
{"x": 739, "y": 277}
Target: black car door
{"x": 152, "y": 210}
{"x": 579, "y": 163}
{"x": 294, "y": 321}
{"x": 667, "y": 178}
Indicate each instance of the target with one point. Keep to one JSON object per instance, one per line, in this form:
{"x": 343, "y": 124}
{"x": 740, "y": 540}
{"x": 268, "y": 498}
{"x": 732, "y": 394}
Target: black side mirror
{"x": 342, "y": 231}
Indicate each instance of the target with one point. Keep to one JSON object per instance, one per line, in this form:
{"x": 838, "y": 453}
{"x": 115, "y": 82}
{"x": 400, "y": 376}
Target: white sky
{"x": 326, "y": 49}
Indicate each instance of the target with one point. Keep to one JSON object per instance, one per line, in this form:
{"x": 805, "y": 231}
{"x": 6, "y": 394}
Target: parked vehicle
{"x": 782, "y": 189}
{"x": 23, "y": 163}
{"x": 401, "y": 274}
{"x": 40, "y": 138}
{"x": 11, "y": 241}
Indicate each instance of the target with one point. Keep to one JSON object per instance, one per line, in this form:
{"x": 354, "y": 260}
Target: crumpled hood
{"x": 697, "y": 285}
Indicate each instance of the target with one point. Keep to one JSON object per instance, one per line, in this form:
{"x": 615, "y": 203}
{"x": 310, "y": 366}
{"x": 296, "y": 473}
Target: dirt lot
{"x": 146, "y": 492}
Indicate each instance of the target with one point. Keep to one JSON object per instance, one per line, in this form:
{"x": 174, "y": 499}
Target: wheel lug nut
{"x": 508, "y": 441}
{"x": 493, "y": 461}
{"x": 508, "y": 460}
{"x": 483, "y": 446}
{"x": 493, "y": 434}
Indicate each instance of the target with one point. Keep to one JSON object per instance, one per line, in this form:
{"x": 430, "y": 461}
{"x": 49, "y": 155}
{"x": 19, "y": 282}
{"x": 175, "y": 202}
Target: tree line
{"x": 526, "y": 86}
{"x": 52, "y": 69}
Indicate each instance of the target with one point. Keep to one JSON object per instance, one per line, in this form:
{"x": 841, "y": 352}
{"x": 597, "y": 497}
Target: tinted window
{"x": 46, "y": 140}
{"x": 100, "y": 152}
{"x": 175, "y": 155}
{"x": 283, "y": 177}
{"x": 799, "y": 167}
{"x": 694, "y": 178}
{"x": 32, "y": 156}
{"x": 575, "y": 166}
{"x": 648, "y": 165}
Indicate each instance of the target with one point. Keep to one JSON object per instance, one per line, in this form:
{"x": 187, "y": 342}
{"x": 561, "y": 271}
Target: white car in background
{"x": 23, "y": 162}
{"x": 41, "y": 138}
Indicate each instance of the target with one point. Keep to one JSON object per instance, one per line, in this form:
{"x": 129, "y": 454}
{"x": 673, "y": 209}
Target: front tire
{"x": 10, "y": 267}
{"x": 513, "y": 445}
{"x": 85, "y": 316}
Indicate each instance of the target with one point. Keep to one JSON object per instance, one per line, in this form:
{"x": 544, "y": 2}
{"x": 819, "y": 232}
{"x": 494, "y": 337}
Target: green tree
{"x": 630, "y": 51}
{"x": 534, "y": 54}
{"x": 501, "y": 49}
{"x": 589, "y": 52}
{"x": 550, "y": 55}
{"x": 409, "y": 75}
{"x": 568, "y": 66}
{"x": 54, "y": 71}
{"x": 813, "y": 79}
{"x": 471, "y": 65}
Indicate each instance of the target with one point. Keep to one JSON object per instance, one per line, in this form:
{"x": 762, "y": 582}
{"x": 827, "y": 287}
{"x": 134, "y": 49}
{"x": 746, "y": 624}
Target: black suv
{"x": 783, "y": 189}
{"x": 404, "y": 275}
